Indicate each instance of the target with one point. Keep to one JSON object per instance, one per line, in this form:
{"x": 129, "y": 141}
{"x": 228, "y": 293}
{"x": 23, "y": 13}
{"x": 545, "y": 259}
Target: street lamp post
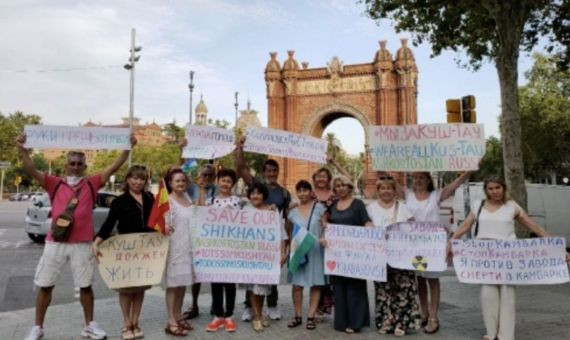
{"x": 236, "y": 106}
{"x": 191, "y": 88}
{"x": 131, "y": 67}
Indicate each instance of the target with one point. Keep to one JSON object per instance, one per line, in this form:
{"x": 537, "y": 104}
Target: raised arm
{"x": 181, "y": 147}
{"x": 523, "y": 218}
{"x": 111, "y": 169}
{"x": 450, "y": 189}
{"x": 29, "y": 167}
{"x": 464, "y": 227}
{"x": 241, "y": 168}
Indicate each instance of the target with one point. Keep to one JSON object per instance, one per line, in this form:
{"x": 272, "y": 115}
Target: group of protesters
{"x": 405, "y": 303}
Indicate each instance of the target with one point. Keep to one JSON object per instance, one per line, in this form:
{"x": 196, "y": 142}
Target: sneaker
{"x": 37, "y": 332}
{"x": 246, "y": 314}
{"x": 273, "y": 313}
{"x": 216, "y": 324}
{"x": 93, "y": 331}
{"x": 230, "y": 325}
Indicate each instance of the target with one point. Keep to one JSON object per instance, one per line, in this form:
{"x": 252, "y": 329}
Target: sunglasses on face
{"x": 385, "y": 178}
{"x": 76, "y": 163}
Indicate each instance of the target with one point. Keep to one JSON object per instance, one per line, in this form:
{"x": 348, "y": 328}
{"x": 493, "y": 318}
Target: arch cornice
{"x": 320, "y": 113}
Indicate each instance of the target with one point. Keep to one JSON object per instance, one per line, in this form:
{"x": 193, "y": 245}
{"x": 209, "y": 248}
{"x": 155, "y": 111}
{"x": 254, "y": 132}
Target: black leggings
{"x": 218, "y": 299}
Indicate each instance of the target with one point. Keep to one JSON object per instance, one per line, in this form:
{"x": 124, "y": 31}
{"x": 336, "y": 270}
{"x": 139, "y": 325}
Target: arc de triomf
{"x": 306, "y": 100}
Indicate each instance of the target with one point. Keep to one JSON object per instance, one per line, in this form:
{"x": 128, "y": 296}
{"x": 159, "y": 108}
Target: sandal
{"x": 175, "y": 330}
{"x": 137, "y": 331}
{"x": 265, "y": 322}
{"x": 297, "y": 321}
{"x": 185, "y": 325}
{"x": 399, "y": 332}
{"x": 257, "y": 325}
{"x": 319, "y": 316}
{"x": 424, "y": 322}
{"x": 127, "y": 333}
{"x": 191, "y": 313}
{"x": 349, "y": 331}
{"x": 432, "y": 326}
{"x": 311, "y": 323}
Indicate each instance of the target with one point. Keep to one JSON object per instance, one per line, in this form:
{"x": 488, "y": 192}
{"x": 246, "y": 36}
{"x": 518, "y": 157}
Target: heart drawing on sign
{"x": 331, "y": 265}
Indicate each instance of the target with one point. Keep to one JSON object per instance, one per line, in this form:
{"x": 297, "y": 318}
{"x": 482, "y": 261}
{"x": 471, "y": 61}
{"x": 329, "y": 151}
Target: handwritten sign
{"x": 77, "y": 137}
{"x": 512, "y": 262}
{"x": 236, "y": 245}
{"x": 417, "y": 246}
{"x": 426, "y": 147}
{"x": 132, "y": 260}
{"x": 356, "y": 252}
{"x": 285, "y": 144}
{"x": 208, "y": 142}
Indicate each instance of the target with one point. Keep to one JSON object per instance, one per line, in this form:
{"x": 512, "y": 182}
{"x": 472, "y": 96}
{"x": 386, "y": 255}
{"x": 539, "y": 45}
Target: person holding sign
{"x": 179, "y": 272}
{"x": 423, "y": 200}
{"x": 72, "y": 199}
{"x": 131, "y": 210}
{"x": 258, "y": 194}
{"x": 351, "y": 311}
{"x": 494, "y": 219}
{"x": 310, "y": 273}
{"x": 397, "y": 308}
{"x": 224, "y": 199}
{"x": 278, "y": 196}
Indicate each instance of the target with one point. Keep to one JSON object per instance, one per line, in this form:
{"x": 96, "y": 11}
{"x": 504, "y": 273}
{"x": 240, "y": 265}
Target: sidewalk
{"x": 543, "y": 312}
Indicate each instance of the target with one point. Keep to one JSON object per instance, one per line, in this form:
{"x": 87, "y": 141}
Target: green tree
{"x": 11, "y": 126}
{"x": 173, "y": 132}
{"x": 494, "y": 30}
{"x": 545, "y": 112}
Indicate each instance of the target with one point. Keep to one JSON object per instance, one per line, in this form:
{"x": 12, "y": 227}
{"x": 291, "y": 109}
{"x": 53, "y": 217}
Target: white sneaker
{"x": 93, "y": 331}
{"x": 36, "y": 333}
{"x": 273, "y": 313}
{"x": 246, "y": 314}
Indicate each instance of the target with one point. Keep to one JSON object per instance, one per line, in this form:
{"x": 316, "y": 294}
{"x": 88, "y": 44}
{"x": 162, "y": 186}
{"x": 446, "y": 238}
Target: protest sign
{"x": 426, "y": 147}
{"x": 236, "y": 245}
{"x": 77, "y": 137}
{"x": 207, "y": 142}
{"x": 132, "y": 260}
{"x": 356, "y": 252}
{"x": 285, "y": 144}
{"x": 511, "y": 262}
{"x": 417, "y": 246}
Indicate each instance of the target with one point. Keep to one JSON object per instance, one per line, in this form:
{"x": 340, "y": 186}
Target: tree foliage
{"x": 11, "y": 125}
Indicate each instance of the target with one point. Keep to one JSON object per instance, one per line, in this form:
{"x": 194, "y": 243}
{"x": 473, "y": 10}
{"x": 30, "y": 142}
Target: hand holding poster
{"x": 511, "y": 262}
{"x": 132, "y": 260}
{"x": 236, "y": 245}
{"x": 285, "y": 144}
{"x": 77, "y": 137}
{"x": 426, "y": 147}
{"x": 208, "y": 142}
{"x": 355, "y": 252}
{"x": 417, "y": 246}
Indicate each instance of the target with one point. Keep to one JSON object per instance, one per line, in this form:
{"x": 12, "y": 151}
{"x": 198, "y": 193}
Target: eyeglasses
{"x": 385, "y": 178}
{"x": 138, "y": 167}
{"x": 76, "y": 163}
{"x": 208, "y": 174}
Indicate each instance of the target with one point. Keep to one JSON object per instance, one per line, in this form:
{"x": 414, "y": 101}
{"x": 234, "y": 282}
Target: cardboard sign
{"x": 417, "y": 246}
{"x": 132, "y": 260}
{"x": 285, "y": 144}
{"x": 236, "y": 245}
{"x": 356, "y": 252}
{"x": 208, "y": 142}
{"x": 426, "y": 147}
{"x": 511, "y": 262}
{"x": 77, "y": 137}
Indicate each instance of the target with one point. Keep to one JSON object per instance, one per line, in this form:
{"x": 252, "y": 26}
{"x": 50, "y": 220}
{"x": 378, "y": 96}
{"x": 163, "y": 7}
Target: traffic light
{"x": 468, "y": 109}
{"x": 453, "y": 107}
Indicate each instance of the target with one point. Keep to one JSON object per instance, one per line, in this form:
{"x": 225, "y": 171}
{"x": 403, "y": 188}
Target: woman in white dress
{"x": 496, "y": 216}
{"x": 179, "y": 272}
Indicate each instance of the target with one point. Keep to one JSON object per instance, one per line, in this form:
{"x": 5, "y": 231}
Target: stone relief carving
{"x": 336, "y": 85}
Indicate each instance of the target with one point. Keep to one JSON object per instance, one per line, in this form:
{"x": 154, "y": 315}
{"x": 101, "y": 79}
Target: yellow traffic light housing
{"x": 468, "y": 113}
{"x": 453, "y": 107}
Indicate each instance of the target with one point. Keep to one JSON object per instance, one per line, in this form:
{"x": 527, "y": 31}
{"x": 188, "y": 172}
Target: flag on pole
{"x": 301, "y": 243}
{"x": 159, "y": 210}
{"x": 189, "y": 164}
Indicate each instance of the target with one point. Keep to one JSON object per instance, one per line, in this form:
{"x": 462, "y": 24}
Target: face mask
{"x": 73, "y": 180}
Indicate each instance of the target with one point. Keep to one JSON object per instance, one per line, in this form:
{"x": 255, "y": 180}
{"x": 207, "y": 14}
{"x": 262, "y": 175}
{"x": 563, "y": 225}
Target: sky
{"x": 62, "y": 59}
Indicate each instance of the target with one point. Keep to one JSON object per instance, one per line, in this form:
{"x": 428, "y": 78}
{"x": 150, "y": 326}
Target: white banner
{"x": 77, "y": 137}
{"x": 285, "y": 144}
{"x": 511, "y": 262}
{"x": 356, "y": 252}
{"x": 417, "y": 246}
{"x": 208, "y": 142}
{"x": 426, "y": 147}
{"x": 236, "y": 245}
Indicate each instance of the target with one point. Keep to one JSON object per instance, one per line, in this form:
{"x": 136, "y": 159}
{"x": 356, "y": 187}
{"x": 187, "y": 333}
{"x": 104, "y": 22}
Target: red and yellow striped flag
{"x": 160, "y": 207}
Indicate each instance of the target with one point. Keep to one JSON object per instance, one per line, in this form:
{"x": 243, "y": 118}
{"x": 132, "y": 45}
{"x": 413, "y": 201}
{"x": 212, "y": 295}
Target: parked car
{"x": 21, "y": 196}
{"x": 38, "y": 216}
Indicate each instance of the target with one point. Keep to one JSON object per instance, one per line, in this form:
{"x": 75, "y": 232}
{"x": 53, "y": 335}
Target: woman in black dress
{"x": 351, "y": 311}
{"x": 131, "y": 210}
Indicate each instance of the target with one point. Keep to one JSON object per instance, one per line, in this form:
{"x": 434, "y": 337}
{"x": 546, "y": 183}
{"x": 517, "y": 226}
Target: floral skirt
{"x": 397, "y": 304}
